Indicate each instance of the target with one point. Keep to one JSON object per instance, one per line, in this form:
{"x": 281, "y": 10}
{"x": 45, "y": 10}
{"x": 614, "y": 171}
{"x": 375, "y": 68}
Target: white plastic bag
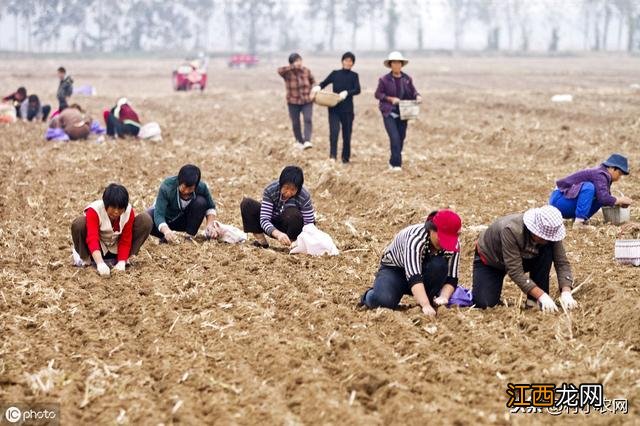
{"x": 230, "y": 234}
{"x": 151, "y": 131}
{"x": 314, "y": 242}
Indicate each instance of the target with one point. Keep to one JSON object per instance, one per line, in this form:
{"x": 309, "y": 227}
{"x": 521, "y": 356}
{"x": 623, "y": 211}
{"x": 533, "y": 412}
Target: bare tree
{"x": 461, "y": 12}
{"x": 355, "y": 14}
{"x": 629, "y": 11}
{"x": 417, "y": 9}
{"x": 373, "y": 8}
{"x": 328, "y": 10}
{"x": 391, "y": 27}
{"x": 486, "y": 11}
{"x": 255, "y": 15}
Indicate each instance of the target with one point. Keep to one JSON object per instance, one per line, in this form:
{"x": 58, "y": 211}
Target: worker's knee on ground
{"x": 381, "y": 300}
{"x": 485, "y": 302}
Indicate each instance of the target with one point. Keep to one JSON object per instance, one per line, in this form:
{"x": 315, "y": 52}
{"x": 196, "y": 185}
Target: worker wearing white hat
{"x": 521, "y": 243}
{"x": 392, "y": 88}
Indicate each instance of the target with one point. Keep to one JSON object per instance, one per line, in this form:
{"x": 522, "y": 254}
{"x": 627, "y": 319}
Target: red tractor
{"x": 190, "y": 75}
{"x": 243, "y": 61}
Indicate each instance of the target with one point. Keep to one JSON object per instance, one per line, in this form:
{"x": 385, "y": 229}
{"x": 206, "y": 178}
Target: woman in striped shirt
{"x": 422, "y": 260}
{"x": 286, "y": 207}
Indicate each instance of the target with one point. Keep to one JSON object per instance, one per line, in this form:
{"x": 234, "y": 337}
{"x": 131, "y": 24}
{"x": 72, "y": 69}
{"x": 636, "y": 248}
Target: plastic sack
{"x": 461, "y": 297}
{"x": 314, "y": 242}
{"x": 151, "y": 131}
{"x": 96, "y": 129}
{"x": 7, "y": 113}
{"x": 56, "y": 134}
{"x": 229, "y": 234}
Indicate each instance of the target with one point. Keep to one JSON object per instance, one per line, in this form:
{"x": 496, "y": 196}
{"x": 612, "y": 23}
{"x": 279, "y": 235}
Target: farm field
{"x": 208, "y": 333}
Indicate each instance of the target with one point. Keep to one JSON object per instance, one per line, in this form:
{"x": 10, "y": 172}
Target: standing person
{"x": 519, "y": 243}
{"x": 73, "y": 120}
{"x": 392, "y": 88}
{"x": 346, "y": 83}
{"x": 31, "y": 109}
{"x": 422, "y": 260}
{"x": 182, "y": 203}
{"x": 286, "y": 207}
{"x": 16, "y": 99}
{"x": 122, "y": 120}
{"x": 65, "y": 89}
{"x": 580, "y": 195}
{"x": 109, "y": 230}
{"x": 298, "y": 82}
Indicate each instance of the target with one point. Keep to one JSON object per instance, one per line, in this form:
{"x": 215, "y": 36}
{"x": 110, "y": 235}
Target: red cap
{"x": 448, "y": 224}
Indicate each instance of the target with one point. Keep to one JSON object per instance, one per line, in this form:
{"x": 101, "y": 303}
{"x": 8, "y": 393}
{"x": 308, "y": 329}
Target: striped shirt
{"x": 410, "y": 248}
{"x": 273, "y": 205}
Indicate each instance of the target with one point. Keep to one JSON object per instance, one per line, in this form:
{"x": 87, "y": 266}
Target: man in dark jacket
{"x": 182, "y": 203}
{"x": 346, "y": 83}
{"x": 65, "y": 89}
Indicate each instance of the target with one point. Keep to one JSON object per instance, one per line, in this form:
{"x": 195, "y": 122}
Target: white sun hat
{"x": 395, "y": 56}
{"x": 545, "y": 222}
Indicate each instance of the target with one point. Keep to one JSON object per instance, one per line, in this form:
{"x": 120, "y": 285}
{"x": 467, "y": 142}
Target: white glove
{"x": 103, "y": 269}
{"x": 343, "y": 95}
{"x": 212, "y": 231}
{"x": 316, "y": 89}
{"x": 441, "y": 301}
{"x": 120, "y": 266}
{"x": 547, "y": 304}
{"x": 567, "y": 300}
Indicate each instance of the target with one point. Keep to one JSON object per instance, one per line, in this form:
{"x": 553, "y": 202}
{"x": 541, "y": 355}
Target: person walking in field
{"x": 109, "y": 231}
{"x": 422, "y": 260}
{"x": 183, "y": 202}
{"x": 580, "y": 195}
{"x": 518, "y": 244}
{"x": 392, "y": 88}
{"x": 298, "y": 82}
{"x": 286, "y": 207}
{"x": 65, "y": 89}
{"x": 347, "y": 84}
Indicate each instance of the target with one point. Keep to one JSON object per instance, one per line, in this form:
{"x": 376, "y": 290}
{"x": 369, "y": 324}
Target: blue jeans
{"x": 391, "y": 283}
{"x": 397, "y": 131}
{"x": 583, "y": 206}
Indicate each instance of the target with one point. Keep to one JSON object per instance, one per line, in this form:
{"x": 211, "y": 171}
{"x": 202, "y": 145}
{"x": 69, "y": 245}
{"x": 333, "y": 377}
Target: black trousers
{"x": 116, "y": 127}
{"x": 339, "y": 118}
{"x": 188, "y": 221}
{"x": 290, "y": 221}
{"x": 391, "y": 283}
{"x": 487, "y": 281}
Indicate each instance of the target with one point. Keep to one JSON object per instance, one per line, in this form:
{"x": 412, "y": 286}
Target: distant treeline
{"x": 278, "y": 25}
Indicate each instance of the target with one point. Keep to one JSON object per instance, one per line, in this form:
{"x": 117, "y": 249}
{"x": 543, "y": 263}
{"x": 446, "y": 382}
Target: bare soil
{"x": 207, "y": 333}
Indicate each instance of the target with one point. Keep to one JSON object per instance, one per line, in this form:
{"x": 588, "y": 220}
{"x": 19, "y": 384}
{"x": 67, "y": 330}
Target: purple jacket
{"x": 599, "y": 176}
{"x": 387, "y": 87}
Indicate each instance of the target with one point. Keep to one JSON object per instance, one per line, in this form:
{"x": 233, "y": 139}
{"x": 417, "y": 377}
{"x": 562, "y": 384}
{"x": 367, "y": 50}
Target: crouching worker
{"x": 109, "y": 231}
{"x": 286, "y": 207}
{"x": 422, "y": 260}
{"x": 521, "y": 243}
{"x": 182, "y": 203}
{"x": 122, "y": 120}
{"x": 74, "y": 122}
{"x": 580, "y": 195}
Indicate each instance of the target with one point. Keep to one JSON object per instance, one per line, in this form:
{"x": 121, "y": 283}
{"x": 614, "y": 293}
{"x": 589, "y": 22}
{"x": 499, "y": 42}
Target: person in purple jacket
{"x": 580, "y": 195}
{"x": 392, "y": 88}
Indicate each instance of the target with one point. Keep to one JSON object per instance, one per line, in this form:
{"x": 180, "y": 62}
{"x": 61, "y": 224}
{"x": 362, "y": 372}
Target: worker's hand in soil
{"x": 419, "y": 99}
{"x": 103, "y": 269}
{"x": 624, "y": 201}
{"x": 282, "y": 237}
{"x": 343, "y": 95}
{"x": 567, "y": 300}
{"x": 121, "y": 266}
{"x": 171, "y": 236}
{"x": 547, "y": 304}
{"x": 428, "y": 311}
{"x": 441, "y": 301}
